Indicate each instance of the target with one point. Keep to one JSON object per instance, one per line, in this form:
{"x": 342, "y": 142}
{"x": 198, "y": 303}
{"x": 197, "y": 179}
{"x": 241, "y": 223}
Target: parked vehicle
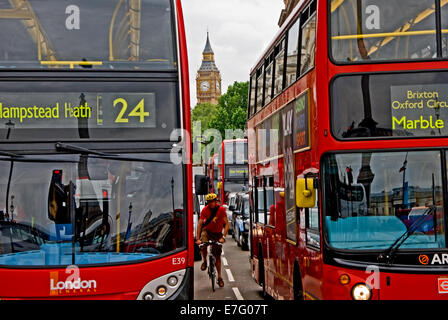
{"x": 240, "y": 220}
{"x": 230, "y": 208}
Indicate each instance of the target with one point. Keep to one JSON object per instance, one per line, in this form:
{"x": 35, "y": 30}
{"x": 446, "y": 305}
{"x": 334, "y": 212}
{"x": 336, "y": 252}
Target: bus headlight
{"x": 361, "y": 292}
{"x": 172, "y": 281}
{"x": 148, "y": 296}
{"x": 164, "y": 287}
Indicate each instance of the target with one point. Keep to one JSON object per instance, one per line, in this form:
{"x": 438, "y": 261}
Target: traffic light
{"x": 350, "y": 175}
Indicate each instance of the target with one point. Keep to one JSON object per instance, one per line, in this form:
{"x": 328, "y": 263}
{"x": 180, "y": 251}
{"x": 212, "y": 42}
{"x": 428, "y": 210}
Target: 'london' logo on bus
{"x": 71, "y": 284}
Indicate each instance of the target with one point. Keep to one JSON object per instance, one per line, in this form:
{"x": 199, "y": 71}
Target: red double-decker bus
{"x": 233, "y": 168}
{"x": 347, "y": 139}
{"x": 94, "y": 200}
{"x": 212, "y": 173}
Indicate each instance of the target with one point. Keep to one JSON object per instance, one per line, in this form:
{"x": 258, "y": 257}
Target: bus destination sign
{"x": 420, "y": 110}
{"x": 301, "y": 120}
{"x": 237, "y": 172}
{"x": 32, "y": 110}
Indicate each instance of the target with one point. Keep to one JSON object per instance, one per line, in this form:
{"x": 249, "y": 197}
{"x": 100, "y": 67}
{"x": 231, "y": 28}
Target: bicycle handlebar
{"x": 210, "y": 242}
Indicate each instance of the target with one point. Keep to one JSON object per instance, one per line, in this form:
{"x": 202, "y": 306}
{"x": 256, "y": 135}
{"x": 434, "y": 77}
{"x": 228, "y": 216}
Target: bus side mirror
{"x": 200, "y": 185}
{"x": 305, "y": 193}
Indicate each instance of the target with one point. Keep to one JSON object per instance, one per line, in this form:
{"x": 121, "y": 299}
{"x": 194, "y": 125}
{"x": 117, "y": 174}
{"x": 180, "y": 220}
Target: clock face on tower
{"x": 205, "y": 85}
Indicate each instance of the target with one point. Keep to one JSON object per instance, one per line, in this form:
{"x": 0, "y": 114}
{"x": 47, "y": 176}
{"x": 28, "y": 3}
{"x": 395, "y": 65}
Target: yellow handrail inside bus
{"x": 402, "y": 31}
{"x": 22, "y": 10}
{"x": 73, "y": 63}
{"x": 336, "y": 4}
{"x": 111, "y": 30}
{"x": 386, "y": 34}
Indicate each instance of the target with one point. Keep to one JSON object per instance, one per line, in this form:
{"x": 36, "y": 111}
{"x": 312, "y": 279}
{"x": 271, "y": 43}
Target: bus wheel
{"x": 297, "y": 283}
{"x": 244, "y": 245}
{"x": 261, "y": 278}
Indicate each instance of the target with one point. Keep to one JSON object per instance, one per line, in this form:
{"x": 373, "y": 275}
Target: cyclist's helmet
{"x": 210, "y": 197}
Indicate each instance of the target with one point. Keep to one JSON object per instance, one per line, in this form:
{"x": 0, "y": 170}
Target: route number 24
{"x": 138, "y": 111}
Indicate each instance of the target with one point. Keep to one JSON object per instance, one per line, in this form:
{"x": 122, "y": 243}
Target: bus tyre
{"x": 197, "y": 253}
{"x": 297, "y": 283}
{"x": 261, "y": 279}
{"x": 244, "y": 245}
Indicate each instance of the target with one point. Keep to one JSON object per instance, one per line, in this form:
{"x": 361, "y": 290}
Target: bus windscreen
{"x": 75, "y": 209}
{"x": 86, "y": 34}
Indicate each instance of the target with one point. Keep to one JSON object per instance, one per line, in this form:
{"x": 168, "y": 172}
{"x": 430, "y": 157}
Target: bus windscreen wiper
{"x": 10, "y": 154}
{"x": 21, "y": 158}
{"x": 389, "y": 253}
{"x": 97, "y": 154}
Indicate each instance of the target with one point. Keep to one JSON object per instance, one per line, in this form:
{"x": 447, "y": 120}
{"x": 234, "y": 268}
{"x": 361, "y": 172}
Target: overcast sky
{"x": 239, "y": 31}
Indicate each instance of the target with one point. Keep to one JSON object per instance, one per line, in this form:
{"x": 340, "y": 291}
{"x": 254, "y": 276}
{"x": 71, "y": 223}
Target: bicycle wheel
{"x": 211, "y": 271}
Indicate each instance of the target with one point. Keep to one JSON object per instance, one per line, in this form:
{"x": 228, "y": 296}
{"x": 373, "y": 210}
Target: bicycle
{"x": 211, "y": 261}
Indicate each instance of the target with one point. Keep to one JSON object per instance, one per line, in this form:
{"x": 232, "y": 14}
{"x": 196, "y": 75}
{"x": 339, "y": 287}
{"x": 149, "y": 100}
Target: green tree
{"x": 202, "y": 113}
{"x": 201, "y": 116}
{"x": 232, "y": 109}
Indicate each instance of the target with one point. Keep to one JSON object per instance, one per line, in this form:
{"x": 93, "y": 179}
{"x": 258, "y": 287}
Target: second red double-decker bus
{"x": 233, "y": 168}
{"x": 92, "y": 203}
{"x": 347, "y": 152}
{"x": 212, "y": 173}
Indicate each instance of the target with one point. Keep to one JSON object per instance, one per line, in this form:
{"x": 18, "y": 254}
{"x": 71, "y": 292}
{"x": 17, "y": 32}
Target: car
{"x": 241, "y": 221}
{"x": 231, "y": 205}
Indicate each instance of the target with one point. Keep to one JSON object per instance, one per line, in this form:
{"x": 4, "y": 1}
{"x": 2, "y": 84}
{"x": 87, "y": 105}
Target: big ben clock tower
{"x": 208, "y": 80}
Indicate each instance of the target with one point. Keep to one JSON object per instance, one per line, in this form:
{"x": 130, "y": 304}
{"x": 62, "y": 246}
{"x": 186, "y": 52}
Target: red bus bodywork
{"x": 123, "y": 280}
{"x": 212, "y": 173}
{"x": 282, "y": 266}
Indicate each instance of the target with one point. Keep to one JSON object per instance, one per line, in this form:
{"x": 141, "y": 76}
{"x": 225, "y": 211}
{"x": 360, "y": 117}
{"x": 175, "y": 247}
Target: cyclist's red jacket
{"x": 217, "y": 224}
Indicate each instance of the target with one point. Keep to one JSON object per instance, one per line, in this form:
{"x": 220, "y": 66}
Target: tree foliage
{"x": 202, "y": 113}
{"x": 232, "y": 108}
{"x": 229, "y": 114}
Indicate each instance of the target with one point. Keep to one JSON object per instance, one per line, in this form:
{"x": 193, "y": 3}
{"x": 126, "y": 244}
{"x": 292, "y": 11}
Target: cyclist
{"x": 212, "y": 220}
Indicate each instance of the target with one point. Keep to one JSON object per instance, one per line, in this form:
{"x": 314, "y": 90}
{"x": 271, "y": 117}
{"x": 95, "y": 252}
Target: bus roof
{"x": 279, "y": 34}
{"x": 235, "y": 140}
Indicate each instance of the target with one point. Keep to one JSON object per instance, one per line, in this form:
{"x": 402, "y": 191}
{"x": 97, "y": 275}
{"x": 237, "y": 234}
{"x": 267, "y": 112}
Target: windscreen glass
{"x": 246, "y": 206}
{"x": 378, "y": 30}
{"x": 235, "y": 152}
{"x": 78, "y": 210}
{"x": 87, "y": 34}
{"x": 372, "y": 199}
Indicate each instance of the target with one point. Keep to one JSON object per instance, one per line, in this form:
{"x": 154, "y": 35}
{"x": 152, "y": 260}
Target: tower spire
{"x": 208, "y": 47}
{"x": 208, "y": 80}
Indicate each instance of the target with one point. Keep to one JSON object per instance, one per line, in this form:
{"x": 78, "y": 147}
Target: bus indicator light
{"x": 161, "y": 291}
{"x": 344, "y": 279}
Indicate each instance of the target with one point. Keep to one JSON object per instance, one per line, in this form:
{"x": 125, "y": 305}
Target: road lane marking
{"x": 230, "y": 275}
{"x": 237, "y": 293}
{"x": 224, "y": 261}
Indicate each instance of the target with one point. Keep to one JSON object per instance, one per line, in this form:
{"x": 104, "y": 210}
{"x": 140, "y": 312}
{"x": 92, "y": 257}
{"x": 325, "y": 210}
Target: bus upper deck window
{"x": 386, "y": 30}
